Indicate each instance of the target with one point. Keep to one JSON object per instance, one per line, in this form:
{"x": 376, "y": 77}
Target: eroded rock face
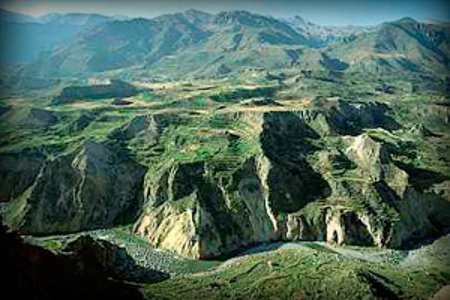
{"x": 387, "y": 205}
{"x": 294, "y": 190}
{"x": 95, "y": 187}
{"x": 346, "y": 227}
{"x": 201, "y": 212}
{"x": 422, "y": 215}
{"x": 18, "y": 172}
{"x": 374, "y": 163}
{"x": 209, "y": 215}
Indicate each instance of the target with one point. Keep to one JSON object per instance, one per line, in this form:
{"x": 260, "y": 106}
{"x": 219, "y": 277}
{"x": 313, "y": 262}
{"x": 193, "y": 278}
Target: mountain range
{"x": 199, "y": 44}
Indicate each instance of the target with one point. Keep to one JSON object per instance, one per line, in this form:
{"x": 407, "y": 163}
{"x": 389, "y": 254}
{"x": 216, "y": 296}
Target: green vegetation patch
{"x": 304, "y": 274}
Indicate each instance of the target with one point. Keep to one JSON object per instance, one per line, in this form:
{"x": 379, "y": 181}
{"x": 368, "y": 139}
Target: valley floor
{"x": 287, "y": 270}
{"x": 316, "y": 271}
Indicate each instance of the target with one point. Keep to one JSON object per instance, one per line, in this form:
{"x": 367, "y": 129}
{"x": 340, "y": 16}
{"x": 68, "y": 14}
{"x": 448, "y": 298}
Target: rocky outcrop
{"x": 373, "y": 161}
{"x": 96, "y": 187}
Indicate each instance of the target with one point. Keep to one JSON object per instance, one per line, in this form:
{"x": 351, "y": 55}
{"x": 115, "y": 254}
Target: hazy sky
{"x": 327, "y": 12}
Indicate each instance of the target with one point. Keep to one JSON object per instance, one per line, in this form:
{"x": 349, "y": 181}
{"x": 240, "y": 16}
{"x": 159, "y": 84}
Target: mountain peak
{"x": 197, "y": 17}
{"x": 195, "y": 12}
{"x": 406, "y": 20}
{"x": 243, "y": 17}
{"x": 302, "y": 21}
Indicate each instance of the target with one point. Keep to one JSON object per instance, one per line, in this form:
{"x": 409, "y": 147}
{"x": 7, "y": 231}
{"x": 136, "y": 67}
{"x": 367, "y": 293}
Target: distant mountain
{"x": 204, "y": 42}
{"x": 263, "y": 29}
{"x": 22, "y": 42}
{"x": 118, "y": 44}
{"x": 238, "y": 40}
{"x": 74, "y": 19}
{"x": 403, "y": 45}
{"x": 322, "y": 35}
{"x": 198, "y": 18}
{"x": 9, "y": 16}
{"x": 22, "y": 38}
{"x": 198, "y": 44}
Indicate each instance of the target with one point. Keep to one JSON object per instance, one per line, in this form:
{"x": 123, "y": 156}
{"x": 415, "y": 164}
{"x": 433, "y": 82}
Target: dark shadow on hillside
{"x": 421, "y": 179}
{"x": 286, "y": 141}
{"x": 352, "y": 118}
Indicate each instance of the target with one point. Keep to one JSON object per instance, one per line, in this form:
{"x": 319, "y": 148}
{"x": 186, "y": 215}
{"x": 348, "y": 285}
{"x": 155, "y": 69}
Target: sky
{"x": 324, "y": 12}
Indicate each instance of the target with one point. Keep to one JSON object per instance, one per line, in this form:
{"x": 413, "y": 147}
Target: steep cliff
{"x": 305, "y": 181}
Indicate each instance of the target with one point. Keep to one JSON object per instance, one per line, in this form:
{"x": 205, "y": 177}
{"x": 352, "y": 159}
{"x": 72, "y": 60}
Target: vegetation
{"x": 307, "y": 273}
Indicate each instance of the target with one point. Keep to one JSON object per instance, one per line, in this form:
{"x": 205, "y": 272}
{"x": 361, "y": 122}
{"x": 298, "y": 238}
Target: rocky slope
{"x": 97, "y": 186}
{"x": 293, "y": 188}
